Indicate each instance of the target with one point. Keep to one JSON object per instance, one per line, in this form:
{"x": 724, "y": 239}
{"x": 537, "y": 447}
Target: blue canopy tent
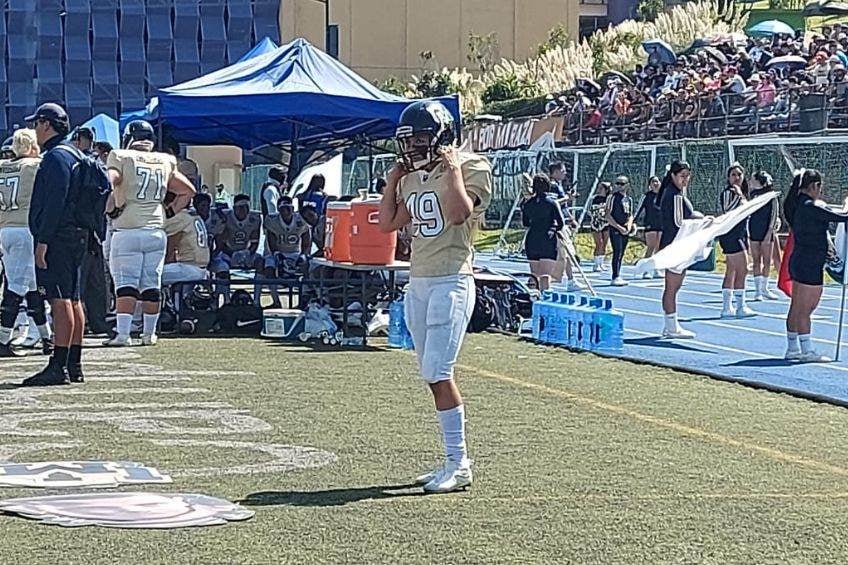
{"x": 266, "y": 45}
{"x": 296, "y": 95}
{"x": 105, "y": 129}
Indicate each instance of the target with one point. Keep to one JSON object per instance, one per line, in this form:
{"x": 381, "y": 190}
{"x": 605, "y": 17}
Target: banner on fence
{"x": 512, "y": 134}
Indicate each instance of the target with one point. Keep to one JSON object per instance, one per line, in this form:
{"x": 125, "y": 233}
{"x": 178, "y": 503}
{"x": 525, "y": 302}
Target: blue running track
{"x": 748, "y": 351}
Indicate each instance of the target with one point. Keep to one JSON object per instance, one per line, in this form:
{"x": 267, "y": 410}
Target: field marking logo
{"x": 66, "y": 474}
{"x": 136, "y": 510}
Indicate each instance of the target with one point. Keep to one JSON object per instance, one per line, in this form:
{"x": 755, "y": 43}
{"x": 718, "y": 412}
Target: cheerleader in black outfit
{"x": 762, "y": 227}
{"x": 542, "y": 216}
{"x": 674, "y": 208}
{"x": 735, "y": 247}
{"x": 598, "y": 223}
{"x": 619, "y": 216}
{"x": 649, "y": 207}
{"x": 809, "y": 218}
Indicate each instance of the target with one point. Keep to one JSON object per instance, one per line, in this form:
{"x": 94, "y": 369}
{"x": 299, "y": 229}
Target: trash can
{"x": 813, "y": 115}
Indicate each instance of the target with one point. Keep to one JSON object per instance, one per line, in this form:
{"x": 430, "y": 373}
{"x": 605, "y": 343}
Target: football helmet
{"x": 6, "y": 151}
{"x": 424, "y": 127}
{"x": 137, "y": 130}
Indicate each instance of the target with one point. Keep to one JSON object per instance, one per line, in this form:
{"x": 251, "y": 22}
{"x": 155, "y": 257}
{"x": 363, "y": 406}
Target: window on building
{"x": 589, "y": 24}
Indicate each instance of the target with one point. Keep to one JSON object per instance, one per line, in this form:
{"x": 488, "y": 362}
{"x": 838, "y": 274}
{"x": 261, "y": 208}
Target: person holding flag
{"x": 809, "y": 218}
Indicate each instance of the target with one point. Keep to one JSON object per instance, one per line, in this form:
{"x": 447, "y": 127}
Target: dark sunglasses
{"x": 621, "y": 184}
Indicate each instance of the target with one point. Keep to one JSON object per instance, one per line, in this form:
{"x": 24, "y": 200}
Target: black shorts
{"x": 649, "y": 229}
{"x": 65, "y": 254}
{"x": 732, "y": 243}
{"x": 806, "y": 267}
{"x": 759, "y": 227}
{"x": 538, "y": 248}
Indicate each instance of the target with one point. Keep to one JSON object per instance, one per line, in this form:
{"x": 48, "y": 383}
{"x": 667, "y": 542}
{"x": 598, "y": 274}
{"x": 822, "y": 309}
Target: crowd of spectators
{"x": 725, "y": 87}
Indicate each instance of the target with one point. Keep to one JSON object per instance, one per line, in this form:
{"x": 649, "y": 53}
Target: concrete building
{"x": 379, "y": 38}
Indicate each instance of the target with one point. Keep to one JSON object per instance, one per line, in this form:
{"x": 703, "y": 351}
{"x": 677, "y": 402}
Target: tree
{"x": 482, "y": 50}
{"x": 557, "y": 37}
{"x": 648, "y": 10}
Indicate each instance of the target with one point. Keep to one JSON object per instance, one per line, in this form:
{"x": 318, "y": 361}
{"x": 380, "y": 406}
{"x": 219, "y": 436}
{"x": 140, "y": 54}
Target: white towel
{"x": 693, "y": 241}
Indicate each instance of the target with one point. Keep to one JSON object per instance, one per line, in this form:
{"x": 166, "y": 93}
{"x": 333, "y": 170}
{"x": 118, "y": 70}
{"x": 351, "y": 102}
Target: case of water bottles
{"x": 578, "y": 321}
{"x": 399, "y": 336}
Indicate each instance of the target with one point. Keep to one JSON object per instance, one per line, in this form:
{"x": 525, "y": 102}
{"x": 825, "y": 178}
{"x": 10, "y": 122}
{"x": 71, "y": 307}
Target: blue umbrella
{"x": 771, "y": 27}
{"x": 659, "y": 51}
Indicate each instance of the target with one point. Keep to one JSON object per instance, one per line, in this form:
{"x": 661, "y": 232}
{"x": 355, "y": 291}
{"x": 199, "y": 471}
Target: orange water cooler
{"x": 337, "y": 232}
{"x": 369, "y": 245}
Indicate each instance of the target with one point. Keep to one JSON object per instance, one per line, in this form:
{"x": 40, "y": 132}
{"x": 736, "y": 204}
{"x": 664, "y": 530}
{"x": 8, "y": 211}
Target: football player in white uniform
{"x": 237, "y": 239}
{"x": 17, "y": 178}
{"x": 443, "y": 193}
{"x": 288, "y": 236}
{"x": 188, "y": 248}
{"x": 142, "y": 180}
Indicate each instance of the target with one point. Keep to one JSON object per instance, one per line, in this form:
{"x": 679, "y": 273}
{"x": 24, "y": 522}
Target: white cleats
{"x": 792, "y": 355}
{"x": 618, "y": 281}
{"x": 451, "y": 478}
{"x": 427, "y": 477}
{"x": 119, "y": 341}
{"x": 743, "y": 312}
{"x": 814, "y": 357}
{"x": 149, "y": 339}
{"x": 678, "y": 333}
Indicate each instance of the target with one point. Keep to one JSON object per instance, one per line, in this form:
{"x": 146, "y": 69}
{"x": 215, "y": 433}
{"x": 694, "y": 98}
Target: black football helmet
{"x": 6, "y": 151}
{"x": 424, "y": 117}
{"x": 137, "y": 130}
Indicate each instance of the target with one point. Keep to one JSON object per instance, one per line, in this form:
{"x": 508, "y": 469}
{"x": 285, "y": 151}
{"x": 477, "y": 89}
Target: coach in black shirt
{"x": 60, "y": 245}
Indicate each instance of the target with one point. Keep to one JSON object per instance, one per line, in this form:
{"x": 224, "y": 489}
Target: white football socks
{"x": 452, "y": 423}
{"x": 671, "y": 322}
{"x": 123, "y": 323}
{"x": 806, "y": 342}
{"x": 150, "y": 321}
{"x": 739, "y": 298}
{"x": 792, "y": 341}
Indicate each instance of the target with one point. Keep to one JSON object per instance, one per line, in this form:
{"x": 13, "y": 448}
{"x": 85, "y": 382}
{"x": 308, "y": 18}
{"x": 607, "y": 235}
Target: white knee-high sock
{"x": 150, "y": 321}
{"x": 739, "y": 298}
{"x": 727, "y": 298}
{"x": 123, "y": 323}
{"x": 452, "y": 423}
{"x": 806, "y": 342}
{"x": 671, "y": 322}
{"x": 758, "y": 285}
{"x": 792, "y": 341}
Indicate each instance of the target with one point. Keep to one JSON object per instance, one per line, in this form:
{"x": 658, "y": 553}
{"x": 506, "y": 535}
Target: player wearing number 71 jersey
{"x": 443, "y": 193}
{"x": 17, "y": 178}
{"x": 142, "y": 180}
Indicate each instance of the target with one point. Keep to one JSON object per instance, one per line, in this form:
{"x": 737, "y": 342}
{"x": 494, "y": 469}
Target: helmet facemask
{"x": 418, "y": 150}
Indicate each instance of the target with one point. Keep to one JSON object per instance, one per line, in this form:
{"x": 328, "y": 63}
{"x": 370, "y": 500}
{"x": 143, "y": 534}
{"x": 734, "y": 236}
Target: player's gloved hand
{"x": 450, "y": 156}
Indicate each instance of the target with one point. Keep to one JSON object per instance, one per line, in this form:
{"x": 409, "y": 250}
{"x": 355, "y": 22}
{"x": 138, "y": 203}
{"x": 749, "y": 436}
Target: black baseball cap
{"x": 51, "y": 112}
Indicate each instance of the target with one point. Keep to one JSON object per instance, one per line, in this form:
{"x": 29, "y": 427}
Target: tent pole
{"x": 370, "y": 166}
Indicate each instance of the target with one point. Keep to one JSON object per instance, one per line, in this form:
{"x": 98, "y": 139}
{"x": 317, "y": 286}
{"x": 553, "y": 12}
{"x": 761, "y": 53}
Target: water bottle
{"x": 569, "y": 321}
{"x": 397, "y": 324}
{"x": 610, "y": 328}
{"x": 540, "y": 313}
{"x": 583, "y": 315}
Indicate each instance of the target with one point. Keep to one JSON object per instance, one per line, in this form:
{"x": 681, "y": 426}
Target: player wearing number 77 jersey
{"x": 443, "y": 193}
{"x": 142, "y": 181}
{"x": 17, "y": 178}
